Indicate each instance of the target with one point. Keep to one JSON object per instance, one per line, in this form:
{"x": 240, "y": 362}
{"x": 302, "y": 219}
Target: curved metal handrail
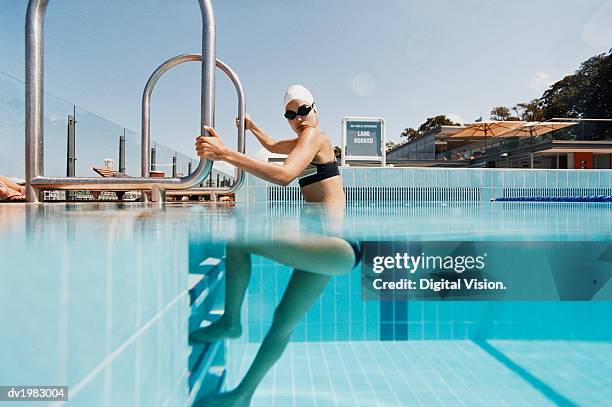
{"x": 145, "y": 163}
{"x": 34, "y": 110}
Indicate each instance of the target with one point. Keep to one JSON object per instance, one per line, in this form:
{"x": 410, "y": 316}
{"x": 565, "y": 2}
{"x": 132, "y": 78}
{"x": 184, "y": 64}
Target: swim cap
{"x": 298, "y": 92}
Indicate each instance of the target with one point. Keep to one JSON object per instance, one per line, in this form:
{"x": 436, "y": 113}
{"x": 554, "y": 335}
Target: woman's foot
{"x": 221, "y": 329}
{"x": 9, "y": 194}
{"x": 230, "y": 399}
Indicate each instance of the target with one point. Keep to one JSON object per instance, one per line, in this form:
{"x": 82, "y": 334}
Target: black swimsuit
{"x": 324, "y": 171}
{"x": 357, "y": 250}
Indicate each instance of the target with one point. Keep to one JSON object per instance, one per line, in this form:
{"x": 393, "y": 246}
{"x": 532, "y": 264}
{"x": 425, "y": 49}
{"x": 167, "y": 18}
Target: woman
{"x": 10, "y": 191}
{"x": 315, "y": 259}
{"x": 310, "y": 145}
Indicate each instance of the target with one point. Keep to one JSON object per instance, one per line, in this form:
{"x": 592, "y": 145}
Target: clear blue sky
{"x": 403, "y": 60}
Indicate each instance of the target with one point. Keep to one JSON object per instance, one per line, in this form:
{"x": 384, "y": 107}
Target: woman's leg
{"x": 9, "y": 194}
{"x": 237, "y": 275}
{"x": 10, "y": 184}
{"x": 316, "y": 254}
{"x": 302, "y": 291}
{"x": 315, "y": 259}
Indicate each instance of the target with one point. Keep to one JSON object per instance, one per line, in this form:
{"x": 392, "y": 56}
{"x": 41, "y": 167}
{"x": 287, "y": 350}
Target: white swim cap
{"x": 298, "y": 92}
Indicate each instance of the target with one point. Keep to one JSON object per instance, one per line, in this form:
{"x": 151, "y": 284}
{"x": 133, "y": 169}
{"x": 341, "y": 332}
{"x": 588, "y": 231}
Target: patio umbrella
{"x": 449, "y": 131}
{"x": 490, "y": 128}
{"x": 531, "y": 129}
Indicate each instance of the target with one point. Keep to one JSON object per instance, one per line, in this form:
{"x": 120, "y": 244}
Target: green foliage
{"x": 530, "y": 111}
{"x": 500, "y": 113}
{"x": 409, "y": 134}
{"x": 430, "y": 124}
{"x": 433, "y": 122}
{"x": 586, "y": 93}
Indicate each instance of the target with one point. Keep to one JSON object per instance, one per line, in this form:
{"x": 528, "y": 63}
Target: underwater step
{"x": 201, "y": 285}
{"x": 207, "y": 265}
{"x": 211, "y": 356}
{"x": 209, "y": 306}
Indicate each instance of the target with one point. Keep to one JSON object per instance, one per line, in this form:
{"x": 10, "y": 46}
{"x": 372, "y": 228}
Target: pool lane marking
{"x": 535, "y": 382}
{"x": 92, "y": 374}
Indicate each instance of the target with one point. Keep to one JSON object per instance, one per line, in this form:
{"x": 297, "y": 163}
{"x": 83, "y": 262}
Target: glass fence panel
{"x": 182, "y": 164}
{"x": 97, "y": 139}
{"x": 163, "y": 159}
{"x": 12, "y": 119}
{"x": 97, "y": 143}
{"x": 132, "y": 153}
{"x": 56, "y": 112}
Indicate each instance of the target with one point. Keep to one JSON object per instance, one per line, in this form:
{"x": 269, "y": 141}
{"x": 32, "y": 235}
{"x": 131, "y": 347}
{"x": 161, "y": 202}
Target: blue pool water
{"x": 100, "y": 297}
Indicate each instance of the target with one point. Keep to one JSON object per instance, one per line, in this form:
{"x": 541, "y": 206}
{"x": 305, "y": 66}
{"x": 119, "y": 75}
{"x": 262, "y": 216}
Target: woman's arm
{"x": 306, "y": 148}
{"x": 273, "y": 146}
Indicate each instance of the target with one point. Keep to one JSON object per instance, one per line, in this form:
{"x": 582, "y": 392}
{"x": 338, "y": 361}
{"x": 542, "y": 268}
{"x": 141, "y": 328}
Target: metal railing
{"x": 34, "y": 113}
{"x": 145, "y": 164}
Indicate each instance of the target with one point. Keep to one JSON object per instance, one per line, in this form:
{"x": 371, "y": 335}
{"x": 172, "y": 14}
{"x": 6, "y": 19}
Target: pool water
{"x": 100, "y": 297}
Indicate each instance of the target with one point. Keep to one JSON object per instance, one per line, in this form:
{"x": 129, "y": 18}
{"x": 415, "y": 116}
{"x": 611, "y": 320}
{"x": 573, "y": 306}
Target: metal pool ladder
{"x": 145, "y": 145}
{"x": 34, "y": 117}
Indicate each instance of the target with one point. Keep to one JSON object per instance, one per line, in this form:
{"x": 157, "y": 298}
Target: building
{"x": 559, "y": 143}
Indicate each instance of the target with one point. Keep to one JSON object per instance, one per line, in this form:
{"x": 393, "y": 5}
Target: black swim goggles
{"x": 302, "y": 111}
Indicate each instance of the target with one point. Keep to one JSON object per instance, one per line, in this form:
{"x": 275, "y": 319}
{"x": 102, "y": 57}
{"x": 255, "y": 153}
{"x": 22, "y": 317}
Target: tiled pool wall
{"x": 340, "y": 314}
{"x": 444, "y": 184}
{"x": 107, "y": 312}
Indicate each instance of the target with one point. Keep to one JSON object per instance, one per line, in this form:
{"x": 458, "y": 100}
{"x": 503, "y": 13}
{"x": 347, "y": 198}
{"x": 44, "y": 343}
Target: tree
{"x": 409, "y": 134}
{"x": 389, "y": 145}
{"x": 530, "y": 111}
{"x": 433, "y": 122}
{"x": 500, "y": 113}
{"x": 586, "y": 93}
{"x": 429, "y": 124}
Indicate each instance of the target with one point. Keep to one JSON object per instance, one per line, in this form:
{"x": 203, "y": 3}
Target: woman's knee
{"x": 343, "y": 260}
{"x": 236, "y": 251}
